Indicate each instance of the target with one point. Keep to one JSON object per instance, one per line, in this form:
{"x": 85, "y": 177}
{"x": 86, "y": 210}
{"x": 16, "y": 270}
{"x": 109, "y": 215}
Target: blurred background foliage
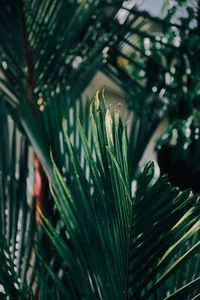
{"x": 157, "y": 64}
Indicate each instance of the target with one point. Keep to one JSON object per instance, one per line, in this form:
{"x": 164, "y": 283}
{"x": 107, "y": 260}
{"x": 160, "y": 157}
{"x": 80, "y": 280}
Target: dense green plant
{"x": 119, "y": 245}
{"x": 94, "y": 236}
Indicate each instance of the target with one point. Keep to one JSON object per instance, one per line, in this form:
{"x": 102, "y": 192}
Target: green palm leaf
{"x": 17, "y": 222}
{"x": 116, "y": 245}
{"x": 47, "y": 47}
{"x": 108, "y": 242}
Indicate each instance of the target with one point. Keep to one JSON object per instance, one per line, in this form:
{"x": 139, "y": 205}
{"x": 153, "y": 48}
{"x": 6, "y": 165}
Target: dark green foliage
{"x": 17, "y": 222}
{"x": 47, "y": 46}
{"x": 117, "y": 246}
{"x": 102, "y": 239}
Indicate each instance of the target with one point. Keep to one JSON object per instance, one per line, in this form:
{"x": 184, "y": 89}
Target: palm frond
{"x": 105, "y": 242}
{"x": 49, "y": 44}
{"x": 17, "y": 226}
{"x": 116, "y": 245}
{"x": 46, "y": 47}
{"x": 88, "y": 217}
{"x": 165, "y": 231}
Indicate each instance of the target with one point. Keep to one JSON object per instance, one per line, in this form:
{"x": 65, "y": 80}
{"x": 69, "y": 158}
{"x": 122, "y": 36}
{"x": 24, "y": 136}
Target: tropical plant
{"x": 92, "y": 235}
{"x": 118, "y": 245}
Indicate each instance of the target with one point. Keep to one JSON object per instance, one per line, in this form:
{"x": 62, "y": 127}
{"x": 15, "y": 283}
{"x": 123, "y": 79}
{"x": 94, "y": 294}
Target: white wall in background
{"x": 153, "y": 7}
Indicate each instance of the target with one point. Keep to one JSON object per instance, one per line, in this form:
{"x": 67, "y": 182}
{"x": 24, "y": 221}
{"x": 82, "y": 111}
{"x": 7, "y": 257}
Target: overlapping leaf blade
{"x": 115, "y": 245}
{"x": 165, "y": 232}
{"x": 17, "y": 226}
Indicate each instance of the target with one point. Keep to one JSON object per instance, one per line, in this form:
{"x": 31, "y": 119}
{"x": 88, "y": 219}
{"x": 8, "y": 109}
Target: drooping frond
{"x": 50, "y": 46}
{"x": 47, "y": 44}
{"x": 17, "y": 222}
